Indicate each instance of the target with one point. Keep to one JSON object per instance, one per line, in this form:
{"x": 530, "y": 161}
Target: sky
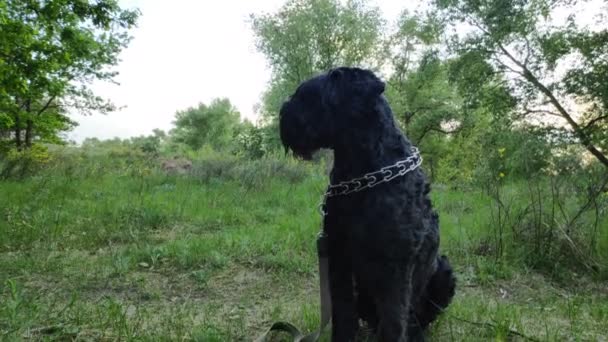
{"x": 185, "y": 52}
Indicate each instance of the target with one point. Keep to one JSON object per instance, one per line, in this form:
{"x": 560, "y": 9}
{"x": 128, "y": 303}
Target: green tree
{"x": 424, "y": 100}
{"x": 427, "y": 106}
{"x": 150, "y": 144}
{"x": 50, "y": 51}
{"x": 215, "y": 124}
{"x": 418, "y": 88}
{"x": 556, "y": 69}
{"x": 251, "y": 141}
{"x": 306, "y": 37}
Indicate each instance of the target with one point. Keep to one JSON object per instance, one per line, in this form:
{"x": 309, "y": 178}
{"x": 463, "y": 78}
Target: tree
{"x": 427, "y": 106}
{"x": 50, "y": 51}
{"x": 252, "y": 141}
{"x": 556, "y": 70}
{"x": 306, "y": 37}
{"x": 150, "y": 144}
{"x": 418, "y": 88}
{"x": 215, "y": 125}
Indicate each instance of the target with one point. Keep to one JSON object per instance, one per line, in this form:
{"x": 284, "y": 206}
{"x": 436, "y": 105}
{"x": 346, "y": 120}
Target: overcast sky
{"x": 185, "y": 52}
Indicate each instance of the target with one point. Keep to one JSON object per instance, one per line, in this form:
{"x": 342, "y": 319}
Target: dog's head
{"x": 325, "y": 108}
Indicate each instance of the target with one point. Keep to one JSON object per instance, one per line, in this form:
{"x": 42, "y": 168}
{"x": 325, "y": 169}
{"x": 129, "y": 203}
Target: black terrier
{"x": 383, "y": 234}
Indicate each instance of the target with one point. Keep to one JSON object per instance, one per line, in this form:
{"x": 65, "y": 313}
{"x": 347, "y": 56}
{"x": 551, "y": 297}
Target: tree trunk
{"x": 29, "y": 130}
{"x": 580, "y": 133}
{"x": 18, "y": 131}
{"x": 29, "y": 125}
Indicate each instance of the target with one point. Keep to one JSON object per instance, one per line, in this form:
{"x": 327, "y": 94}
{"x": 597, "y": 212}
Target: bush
{"x": 250, "y": 173}
{"x": 553, "y": 219}
{"x": 21, "y": 163}
{"x": 253, "y": 142}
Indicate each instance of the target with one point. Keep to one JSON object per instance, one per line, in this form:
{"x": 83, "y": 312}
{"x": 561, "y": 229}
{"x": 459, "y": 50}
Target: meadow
{"x": 111, "y": 247}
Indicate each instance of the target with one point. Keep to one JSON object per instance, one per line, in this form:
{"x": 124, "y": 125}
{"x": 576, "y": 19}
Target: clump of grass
{"x": 249, "y": 173}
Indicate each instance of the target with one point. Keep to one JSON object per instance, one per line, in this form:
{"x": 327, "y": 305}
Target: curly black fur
{"x": 383, "y": 242}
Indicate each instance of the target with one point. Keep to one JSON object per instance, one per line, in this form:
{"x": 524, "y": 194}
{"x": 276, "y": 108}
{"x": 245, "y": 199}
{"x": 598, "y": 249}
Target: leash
{"x": 296, "y": 334}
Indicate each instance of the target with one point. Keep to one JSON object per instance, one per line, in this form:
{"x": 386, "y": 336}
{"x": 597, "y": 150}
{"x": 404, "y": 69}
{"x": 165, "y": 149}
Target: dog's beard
{"x": 291, "y": 127}
{"x": 303, "y": 154}
{"x": 299, "y": 150}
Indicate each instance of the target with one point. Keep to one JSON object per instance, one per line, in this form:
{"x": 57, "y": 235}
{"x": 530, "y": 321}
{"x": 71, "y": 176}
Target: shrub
{"x": 554, "y": 219}
{"x": 20, "y": 163}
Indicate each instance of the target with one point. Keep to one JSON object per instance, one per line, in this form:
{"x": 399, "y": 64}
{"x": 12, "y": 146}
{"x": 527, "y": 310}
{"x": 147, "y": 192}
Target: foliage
{"x": 49, "y": 52}
{"x": 553, "y": 221}
{"x": 306, "y": 37}
{"x": 215, "y": 124}
{"x": 549, "y": 63}
{"x": 116, "y": 147}
{"x": 22, "y": 163}
{"x": 427, "y": 107}
{"x": 253, "y": 174}
{"x": 424, "y": 101}
{"x": 150, "y": 144}
{"x": 415, "y": 63}
{"x": 252, "y": 141}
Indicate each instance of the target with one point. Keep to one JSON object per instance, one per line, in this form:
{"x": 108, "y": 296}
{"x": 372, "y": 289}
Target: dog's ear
{"x": 334, "y": 88}
{"x": 336, "y": 74}
{"x": 343, "y": 83}
{"x": 370, "y": 84}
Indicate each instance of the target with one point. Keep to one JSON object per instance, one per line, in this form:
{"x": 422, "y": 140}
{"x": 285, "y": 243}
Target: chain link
{"x": 372, "y": 179}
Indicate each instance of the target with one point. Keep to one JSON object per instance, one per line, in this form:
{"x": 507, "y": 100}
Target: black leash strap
{"x": 296, "y": 334}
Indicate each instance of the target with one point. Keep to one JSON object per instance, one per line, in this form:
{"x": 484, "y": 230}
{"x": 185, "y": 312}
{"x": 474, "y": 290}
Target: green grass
{"x": 126, "y": 252}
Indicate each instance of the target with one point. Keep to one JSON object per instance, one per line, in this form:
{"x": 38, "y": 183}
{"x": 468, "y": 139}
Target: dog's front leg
{"x": 344, "y": 319}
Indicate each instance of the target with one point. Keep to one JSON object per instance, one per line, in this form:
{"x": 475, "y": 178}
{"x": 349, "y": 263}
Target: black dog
{"x": 383, "y": 240}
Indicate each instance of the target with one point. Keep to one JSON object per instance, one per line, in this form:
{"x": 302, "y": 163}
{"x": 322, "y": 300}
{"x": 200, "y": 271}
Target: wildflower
{"x": 501, "y": 151}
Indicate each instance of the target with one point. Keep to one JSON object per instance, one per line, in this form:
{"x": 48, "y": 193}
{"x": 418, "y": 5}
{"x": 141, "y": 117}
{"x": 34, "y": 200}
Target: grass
{"x": 96, "y": 252}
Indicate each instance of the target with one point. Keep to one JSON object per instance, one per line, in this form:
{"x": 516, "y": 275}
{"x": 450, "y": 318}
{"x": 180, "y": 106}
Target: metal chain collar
{"x": 371, "y": 179}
